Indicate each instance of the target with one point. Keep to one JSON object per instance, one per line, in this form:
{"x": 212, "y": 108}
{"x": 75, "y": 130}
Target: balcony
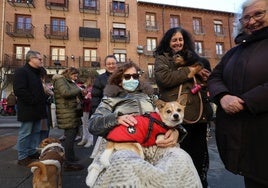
{"x": 119, "y": 11}
{"x": 119, "y": 37}
{"x": 199, "y": 31}
{"x": 147, "y": 52}
{"x": 50, "y": 60}
{"x": 56, "y": 32}
{"x": 151, "y": 26}
{"x": 57, "y": 4}
{"x": 21, "y": 3}
{"x": 205, "y": 54}
{"x": 89, "y": 62}
{"x": 22, "y": 30}
{"x": 220, "y": 33}
{"x": 89, "y": 34}
{"x": 92, "y": 7}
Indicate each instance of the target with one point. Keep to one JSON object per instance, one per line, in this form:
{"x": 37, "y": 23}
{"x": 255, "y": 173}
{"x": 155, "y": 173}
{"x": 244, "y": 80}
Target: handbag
{"x": 205, "y": 110}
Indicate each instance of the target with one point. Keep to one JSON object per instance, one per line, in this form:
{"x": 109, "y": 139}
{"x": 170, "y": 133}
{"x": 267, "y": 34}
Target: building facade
{"x": 81, "y": 33}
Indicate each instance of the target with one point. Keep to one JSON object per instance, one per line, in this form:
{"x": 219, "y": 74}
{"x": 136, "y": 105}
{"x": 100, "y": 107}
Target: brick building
{"x": 81, "y": 33}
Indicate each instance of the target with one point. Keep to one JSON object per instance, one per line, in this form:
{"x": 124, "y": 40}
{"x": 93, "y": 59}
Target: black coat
{"x": 97, "y": 90}
{"x": 31, "y": 98}
{"x": 242, "y": 138}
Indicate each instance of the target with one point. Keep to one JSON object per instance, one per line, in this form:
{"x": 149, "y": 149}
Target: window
{"x": 150, "y": 20}
{"x": 90, "y": 4}
{"x": 219, "y": 48}
{"x": 120, "y": 55}
{"x": 150, "y": 70}
{"x": 198, "y": 47}
{"x": 218, "y": 28}
{"x": 58, "y": 53}
{"x": 23, "y": 22}
{"x": 119, "y": 30}
{"x": 58, "y": 25}
{"x": 21, "y": 51}
{"x": 90, "y": 54}
{"x": 174, "y": 21}
{"x": 90, "y": 23}
{"x": 197, "y": 26}
{"x": 151, "y": 44}
{"x": 118, "y": 6}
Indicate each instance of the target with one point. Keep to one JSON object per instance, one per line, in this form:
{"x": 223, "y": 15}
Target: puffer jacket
{"x": 116, "y": 102}
{"x": 242, "y": 138}
{"x": 66, "y": 93}
{"x": 169, "y": 76}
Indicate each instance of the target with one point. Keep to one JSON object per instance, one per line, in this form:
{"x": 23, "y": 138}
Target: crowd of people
{"x": 237, "y": 85}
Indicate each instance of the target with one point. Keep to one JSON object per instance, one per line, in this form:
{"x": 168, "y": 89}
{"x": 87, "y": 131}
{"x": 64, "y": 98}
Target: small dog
{"x": 47, "y": 171}
{"x": 171, "y": 114}
{"x": 194, "y": 66}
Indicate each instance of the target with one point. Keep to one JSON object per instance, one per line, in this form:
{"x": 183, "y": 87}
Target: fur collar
{"x": 115, "y": 90}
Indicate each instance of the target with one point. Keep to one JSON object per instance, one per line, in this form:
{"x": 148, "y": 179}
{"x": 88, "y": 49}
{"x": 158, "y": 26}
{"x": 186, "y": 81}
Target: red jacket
{"x": 144, "y": 132}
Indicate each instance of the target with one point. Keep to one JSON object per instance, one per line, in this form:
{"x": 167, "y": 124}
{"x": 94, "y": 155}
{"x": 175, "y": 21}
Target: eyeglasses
{"x": 134, "y": 76}
{"x": 40, "y": 59}
{"x": 258, "y": 15}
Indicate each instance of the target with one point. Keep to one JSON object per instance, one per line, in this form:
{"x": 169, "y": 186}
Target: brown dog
{"x": 47, "y": 171}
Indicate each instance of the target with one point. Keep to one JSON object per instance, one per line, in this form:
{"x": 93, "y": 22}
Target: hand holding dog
{"x": 232, "y": 104}
{"x": 170, "y": 139}
{"x": 127, "y": 120}
{"x": 204, "y": 73}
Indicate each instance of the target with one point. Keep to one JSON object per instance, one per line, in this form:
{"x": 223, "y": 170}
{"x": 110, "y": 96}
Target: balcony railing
{"x": 49, "y": 61}
{"x": 56, "y": 32}
{"x": 124, "y": 12}
{"x": 89, "y": 62}
{"x": 91, "y": 8}
{"x": 89, "y": 34}
{"x": 17, "y": 29}
{"x": 22, "y": 3}
{"x": 151, "y": 26}
{"x": 148, "y": 52}
{"x": 120, "y": 38}
{"x": 13, "y": 61}
{"x": 205, "y": 54}
{"x": 57, "y": 4}
{"x": 220, "y": 33}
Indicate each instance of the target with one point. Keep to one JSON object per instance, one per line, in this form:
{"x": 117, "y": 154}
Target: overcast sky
{"x": 221, "y": 5}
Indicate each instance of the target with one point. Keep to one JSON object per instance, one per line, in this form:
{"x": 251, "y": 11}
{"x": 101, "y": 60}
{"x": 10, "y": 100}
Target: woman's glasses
{"x": 134, "y": 76}
{"x": 258, "y": 15}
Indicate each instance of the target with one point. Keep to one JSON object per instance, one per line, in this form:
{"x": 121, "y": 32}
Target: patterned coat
{"x": 66, "y": 93}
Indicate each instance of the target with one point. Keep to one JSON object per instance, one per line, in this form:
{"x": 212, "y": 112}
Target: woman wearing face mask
{"x": 125, "y": 96}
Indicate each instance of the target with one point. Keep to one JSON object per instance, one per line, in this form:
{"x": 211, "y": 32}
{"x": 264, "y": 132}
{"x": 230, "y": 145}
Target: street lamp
{"x": 57, "y": 64}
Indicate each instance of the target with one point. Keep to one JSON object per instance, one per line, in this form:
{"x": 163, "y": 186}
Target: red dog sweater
{"x": 144, "y": 132}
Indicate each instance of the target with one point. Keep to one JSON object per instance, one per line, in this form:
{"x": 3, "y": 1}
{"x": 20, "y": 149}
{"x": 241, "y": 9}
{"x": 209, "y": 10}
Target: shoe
{"x": 73, "y": 167}
{"x": 88, "y": 144}
{"x": 82, "y": 142}
{"x": 34, "y": 156}
{"x": 26, "y": 161}
{"x": 62, "y": 138}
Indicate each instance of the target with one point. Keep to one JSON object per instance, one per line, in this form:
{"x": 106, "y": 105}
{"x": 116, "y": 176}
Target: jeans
{"x": 28, "y": 138}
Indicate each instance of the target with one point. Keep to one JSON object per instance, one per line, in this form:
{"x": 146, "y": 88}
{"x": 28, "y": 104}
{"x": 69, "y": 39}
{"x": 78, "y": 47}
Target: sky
{"x": 218, "y": 5}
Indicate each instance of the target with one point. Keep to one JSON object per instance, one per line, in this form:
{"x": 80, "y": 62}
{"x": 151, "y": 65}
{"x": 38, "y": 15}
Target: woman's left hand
{"x": 170, "y": 139}
{"x": 204, "y": 73}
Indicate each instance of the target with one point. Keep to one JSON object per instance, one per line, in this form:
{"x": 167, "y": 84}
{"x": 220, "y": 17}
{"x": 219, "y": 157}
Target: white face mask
{"x": 130, "y": 85}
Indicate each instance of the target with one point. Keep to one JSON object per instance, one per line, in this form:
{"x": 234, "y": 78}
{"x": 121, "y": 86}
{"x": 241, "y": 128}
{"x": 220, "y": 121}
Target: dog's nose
{"x": 176, "y": 116}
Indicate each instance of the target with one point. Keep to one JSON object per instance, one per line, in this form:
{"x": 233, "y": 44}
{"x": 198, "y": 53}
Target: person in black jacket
{"x": 239, "y": 86}
{"x": 31, "y": 101}
{"x": 101, "y": 81}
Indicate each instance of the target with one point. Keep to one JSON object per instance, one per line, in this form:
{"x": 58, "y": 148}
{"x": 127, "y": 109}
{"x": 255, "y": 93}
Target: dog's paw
{"x": 105, "y": 160}
{"x": 194, "y": 69}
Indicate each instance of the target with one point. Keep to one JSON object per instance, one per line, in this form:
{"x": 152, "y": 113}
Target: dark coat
{"x": 31, "y": 99}
{"x": 97, "y": 90}
{"x": 169, "y": 76}
{"x": 243, "y": 138}
{"x": 66, "y": 93}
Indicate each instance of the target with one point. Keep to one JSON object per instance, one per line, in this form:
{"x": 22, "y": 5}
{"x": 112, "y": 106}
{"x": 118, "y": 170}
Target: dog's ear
{"x": 182, "y": 99}
{"x": 159, "y": 103}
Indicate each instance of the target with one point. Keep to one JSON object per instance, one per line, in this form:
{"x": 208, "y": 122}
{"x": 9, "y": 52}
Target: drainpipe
{"x": 163, "y": 18}
{"x": 1, "y": 45}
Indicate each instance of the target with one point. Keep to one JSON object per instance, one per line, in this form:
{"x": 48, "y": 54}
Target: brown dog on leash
{"x": 47, "y": 171}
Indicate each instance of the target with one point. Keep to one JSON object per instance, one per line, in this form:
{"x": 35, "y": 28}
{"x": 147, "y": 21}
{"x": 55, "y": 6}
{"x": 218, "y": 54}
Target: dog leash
{"x": 201, "y": 105}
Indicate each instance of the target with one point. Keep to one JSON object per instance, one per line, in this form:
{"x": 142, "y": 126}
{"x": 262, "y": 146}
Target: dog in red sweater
{"x": 149, "y": 129}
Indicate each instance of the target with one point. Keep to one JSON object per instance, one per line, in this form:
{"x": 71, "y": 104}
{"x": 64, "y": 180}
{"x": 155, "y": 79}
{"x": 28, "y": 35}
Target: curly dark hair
{"x": 164, "y": 47}
{"x": 116, "y": 77}
{"x": 69, "y": 71}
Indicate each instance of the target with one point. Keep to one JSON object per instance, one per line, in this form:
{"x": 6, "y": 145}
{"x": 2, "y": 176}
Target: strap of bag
{"x": 201, "y": 105}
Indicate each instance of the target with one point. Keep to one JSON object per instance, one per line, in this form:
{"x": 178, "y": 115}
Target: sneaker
{"x": 82, "y": 142}
{"x": 77, "y": 138}
{"x": 73, "y": 167}
{"x": 34, "y": 156}
{"x": 26, "y": 161}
